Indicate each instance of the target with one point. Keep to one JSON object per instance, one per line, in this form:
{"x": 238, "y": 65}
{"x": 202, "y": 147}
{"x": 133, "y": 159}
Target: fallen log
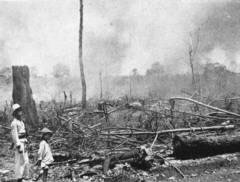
{"x": 234, "y": 98}
{"x": 204, "y": 116}
{"x": 205, "y": 105}
{"x": 73, "y": 109}
{"x": 193, "y": 147}
{"x": 184, "y": 112}
{"x": 179, "y": 130}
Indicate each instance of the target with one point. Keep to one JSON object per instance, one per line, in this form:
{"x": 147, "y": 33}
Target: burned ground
{"x": 128, "y": 141}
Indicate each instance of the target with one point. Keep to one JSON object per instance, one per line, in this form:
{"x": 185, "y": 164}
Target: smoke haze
{"x": 118, "y": 35}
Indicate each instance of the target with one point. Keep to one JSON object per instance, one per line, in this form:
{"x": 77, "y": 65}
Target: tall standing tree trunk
{"x": 130, "y": 86}
{"x": 22, "y": 94}
{"x": 193, "y": 47}
{"x": 71, "y": 98}
{"x": 84, "y": 87}
{"x": 192, "y": 69}
{"x": 100, "y": 79}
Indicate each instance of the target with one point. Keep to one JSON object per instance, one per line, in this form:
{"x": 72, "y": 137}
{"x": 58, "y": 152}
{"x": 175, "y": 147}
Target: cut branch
{"x": 205, "y": 105}
{"x": 179, "y": 130}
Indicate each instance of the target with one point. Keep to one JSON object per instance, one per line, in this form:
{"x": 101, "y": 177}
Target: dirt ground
{"x": 217, "y": 173}
{"x": 227, "y": 169}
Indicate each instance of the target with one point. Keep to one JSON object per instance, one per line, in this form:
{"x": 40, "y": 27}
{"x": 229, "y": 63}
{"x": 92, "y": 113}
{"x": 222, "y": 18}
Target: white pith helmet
{"x": 15, "y": 107}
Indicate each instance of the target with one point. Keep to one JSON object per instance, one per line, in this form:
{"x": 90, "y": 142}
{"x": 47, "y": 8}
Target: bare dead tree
{"x": 83, "y": 81}
{"x": 130, "y": 86}
{"x": 192, "y": 50}
{"x": 71, "y": 97}
{"x": 65, "y": 98}
{"x": 100, "y": 79}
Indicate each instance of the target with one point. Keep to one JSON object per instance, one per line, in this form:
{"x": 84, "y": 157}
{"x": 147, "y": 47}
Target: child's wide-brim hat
{"x": 45, "y": 130}
{"x": 16, "y": 107}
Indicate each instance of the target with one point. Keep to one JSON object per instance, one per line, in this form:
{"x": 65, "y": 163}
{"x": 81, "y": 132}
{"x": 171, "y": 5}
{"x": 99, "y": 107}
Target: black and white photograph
{"x": 120, "y": 90}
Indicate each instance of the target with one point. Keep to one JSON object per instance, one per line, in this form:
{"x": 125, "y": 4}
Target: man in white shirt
{"x": 19, "y": 135}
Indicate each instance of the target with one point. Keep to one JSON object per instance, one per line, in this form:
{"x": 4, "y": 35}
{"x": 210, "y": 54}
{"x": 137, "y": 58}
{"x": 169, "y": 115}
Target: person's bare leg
{"x": 45, "y": 173}
{"x": 38, "y": 177}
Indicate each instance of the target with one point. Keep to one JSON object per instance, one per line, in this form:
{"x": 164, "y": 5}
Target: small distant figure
{"x": 45, "y": 157}
{"x": 19, "y": 136}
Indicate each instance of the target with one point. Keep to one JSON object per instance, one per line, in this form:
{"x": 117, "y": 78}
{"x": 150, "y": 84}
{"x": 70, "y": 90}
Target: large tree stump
{"x": 22, "y": 94}
{"x": 192, "y": 147}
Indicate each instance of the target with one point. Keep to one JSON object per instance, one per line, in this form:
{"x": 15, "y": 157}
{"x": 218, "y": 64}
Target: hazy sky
{"x": 119, "y": 35}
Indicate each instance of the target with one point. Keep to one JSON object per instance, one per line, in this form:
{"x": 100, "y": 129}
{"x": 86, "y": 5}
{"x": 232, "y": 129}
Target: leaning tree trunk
{"x": 84, "y": 87}
{"x": 22, "y": 94}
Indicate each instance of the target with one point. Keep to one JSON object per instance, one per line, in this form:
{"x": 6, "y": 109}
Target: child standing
{"x": 45, "y": 157}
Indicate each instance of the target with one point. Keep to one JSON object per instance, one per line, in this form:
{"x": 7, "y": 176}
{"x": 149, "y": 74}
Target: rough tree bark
{"x": 22, "y": 94}
{"x": 192, "y": 147}
{"x": 83, "y": 81}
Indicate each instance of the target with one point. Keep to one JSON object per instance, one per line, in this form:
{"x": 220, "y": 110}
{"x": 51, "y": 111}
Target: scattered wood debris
{"x": 131, "y": 141}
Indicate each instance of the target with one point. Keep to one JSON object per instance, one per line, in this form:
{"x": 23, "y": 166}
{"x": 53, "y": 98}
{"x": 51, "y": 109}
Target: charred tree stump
{"x": 22, "y": 94}
{"x": 186, "y": 147}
